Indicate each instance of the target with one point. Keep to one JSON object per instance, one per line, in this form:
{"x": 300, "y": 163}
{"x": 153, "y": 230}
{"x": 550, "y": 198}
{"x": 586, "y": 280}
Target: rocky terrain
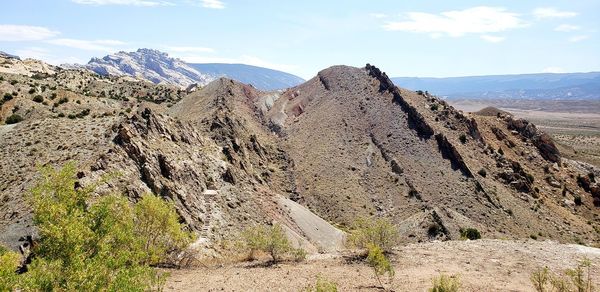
{"x": 345, "y": 144}
{"x": 158, "y": 67}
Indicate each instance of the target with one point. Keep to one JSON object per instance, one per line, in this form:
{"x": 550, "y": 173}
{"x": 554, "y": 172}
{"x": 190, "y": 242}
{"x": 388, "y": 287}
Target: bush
{"x": 104, "y": 246}
{"x": 38, "y": 98}
{"x": 31, "y": 90}
{"x": 13, "y": 119}
{"x": 322, "y": 285}
{"x": 579, "y": 279}
{"x": 445, "y": 283}
{"x": 7, "y": 97}
{"x": 434, "y": 107}
{"x": 463, "y": 138}
{"x": 271, "y": 240}
{"x": 9, "y": 262}
{"x": 470, "y": 233}
{"x": 482, "y": 172}
{"x": 500, "y": 151}
{"x": 380, "y": 232}
{"x": 380, "y": 264}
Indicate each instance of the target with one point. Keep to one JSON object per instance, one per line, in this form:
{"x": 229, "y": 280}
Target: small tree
{"x": 271, "y": 240}
{"x": 380, "y": 232}
{"x": 94, "y": 245}
{"x": 380, "y": 264}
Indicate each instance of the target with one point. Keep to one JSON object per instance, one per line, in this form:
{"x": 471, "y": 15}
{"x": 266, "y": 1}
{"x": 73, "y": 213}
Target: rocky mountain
{"x": 148, "y": 64}
{"x": 525, "y": 86}
{"x": 157, "y": 67}
{"x": 345, "y": 144}
{"x": 259, "y": 77}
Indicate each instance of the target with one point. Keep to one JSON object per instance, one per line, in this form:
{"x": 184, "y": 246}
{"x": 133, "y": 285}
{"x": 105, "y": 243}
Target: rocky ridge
{"x": 346, "y": 143}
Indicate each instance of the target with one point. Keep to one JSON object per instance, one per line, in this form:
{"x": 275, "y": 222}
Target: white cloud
{"x": 93, "y": 45}
{"x": 184, "y": 49}
{"x": 578, "y": 38}
{"x": 18, "y": 33}
{"x": 554, "y": 69}
{"x": 46, "y": 56}
{"x": 378, "y": 15}
{"x": 551, "y": 12}
{"x": 457, "y": 23}
{"x": 567, "y": 27}
{"x": 492, "y": 39}
{"x": 124, "y": 2}
{"x": 214, "y": 4}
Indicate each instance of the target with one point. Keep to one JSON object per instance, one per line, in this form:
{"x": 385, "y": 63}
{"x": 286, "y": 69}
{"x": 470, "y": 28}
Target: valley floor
{"x": 483, "y": 265}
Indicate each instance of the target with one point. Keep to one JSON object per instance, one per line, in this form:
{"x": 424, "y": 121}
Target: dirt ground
{"x": 482, "y": 265}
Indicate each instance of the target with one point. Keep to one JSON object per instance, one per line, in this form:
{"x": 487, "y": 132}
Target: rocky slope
{"x": 346, "y": 143}
{"x": 261, "y": 78}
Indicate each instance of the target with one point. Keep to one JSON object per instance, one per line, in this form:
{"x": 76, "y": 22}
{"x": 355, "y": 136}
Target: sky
{"x": 403, "y": 38}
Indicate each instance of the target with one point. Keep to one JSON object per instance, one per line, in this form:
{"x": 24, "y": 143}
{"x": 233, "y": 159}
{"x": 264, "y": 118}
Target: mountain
{"x": 151, "y": 65}
{"x": 342, "y": 145}
{"x": 525, "y": 86}
{"x": 157, "y": 67}
{"x": 262, "y": 78}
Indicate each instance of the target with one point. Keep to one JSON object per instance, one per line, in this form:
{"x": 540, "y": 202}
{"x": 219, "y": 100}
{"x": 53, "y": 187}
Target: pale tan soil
{"x": 483, "y": 265}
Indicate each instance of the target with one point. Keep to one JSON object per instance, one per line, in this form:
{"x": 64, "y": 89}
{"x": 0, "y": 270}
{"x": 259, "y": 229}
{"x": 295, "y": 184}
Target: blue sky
{"x": 404, "y": 38}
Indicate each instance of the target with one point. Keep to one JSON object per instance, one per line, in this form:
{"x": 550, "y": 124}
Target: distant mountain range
{"x": 525, "y": 86}
{"x": 157, "y": 67}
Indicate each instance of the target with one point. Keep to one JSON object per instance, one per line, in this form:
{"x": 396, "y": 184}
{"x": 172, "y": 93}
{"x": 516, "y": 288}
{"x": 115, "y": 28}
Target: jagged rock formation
{"x": 346, "y": 143}
{"x": 151, "y": 65}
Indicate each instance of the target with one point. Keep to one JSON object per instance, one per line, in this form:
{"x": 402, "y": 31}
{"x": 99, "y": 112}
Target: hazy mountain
{"x": 524, "y": 86}
{"x": 156, "y": 66}
{"x": 259, "y": 77}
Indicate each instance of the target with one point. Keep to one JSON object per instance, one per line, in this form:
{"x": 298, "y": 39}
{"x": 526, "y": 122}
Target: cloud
{"x": 578, "y": 38}
{"x": 551, "y": 12}
{"x": 184, "y": 49}
{"x": 18, "y": 33}
{"x": 554, "y": 69}
{"x": 492, "y": 39}
{"x": 46, "y": 56}
{"x": 457, "y": 23}
{"x": 93, "y": 45}
{"x": 124, "y": 2}
{"x": 567, "y": 27}
{"x": 378, "y": 15}
{"x": 213, "y": 4}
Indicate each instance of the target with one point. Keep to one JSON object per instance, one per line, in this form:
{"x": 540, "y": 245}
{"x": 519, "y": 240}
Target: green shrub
{"x": 322, "y": 285}
{"x": 445, "y": 283}
{"x": 470, "y": 233}
{"x": 13, "y": 119}
{"x": 500, "y": 151}
{"x": 9, "y": 262}
{"x": 380, "y": 232}
{"x": 7, "y": 97}
{"x": 38, "y": 98}
{"x": 96, "y": 245}
{"x": 13, "y": 82}
{"x": 434, "y": 107}
{"x": 380, "y": 264}
{"x": 463, "y": 138}
{"x": 53, "y": 95}
{"x": 31, "y": 90}
{"x": 271, "y": 240}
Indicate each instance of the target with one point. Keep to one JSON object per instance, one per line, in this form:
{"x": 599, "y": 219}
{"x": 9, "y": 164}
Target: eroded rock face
{"x": 540, "y": 139}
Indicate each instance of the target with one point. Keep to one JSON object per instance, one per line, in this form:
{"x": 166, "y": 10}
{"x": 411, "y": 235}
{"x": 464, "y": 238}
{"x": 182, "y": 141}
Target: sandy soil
{"x": 482, "y": 265}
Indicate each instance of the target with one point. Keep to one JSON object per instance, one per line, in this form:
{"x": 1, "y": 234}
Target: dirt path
{"x": 483, "y": 265}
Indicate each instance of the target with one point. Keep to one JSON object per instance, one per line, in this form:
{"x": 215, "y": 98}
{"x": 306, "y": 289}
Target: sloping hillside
{"x": 259, "y": 77}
